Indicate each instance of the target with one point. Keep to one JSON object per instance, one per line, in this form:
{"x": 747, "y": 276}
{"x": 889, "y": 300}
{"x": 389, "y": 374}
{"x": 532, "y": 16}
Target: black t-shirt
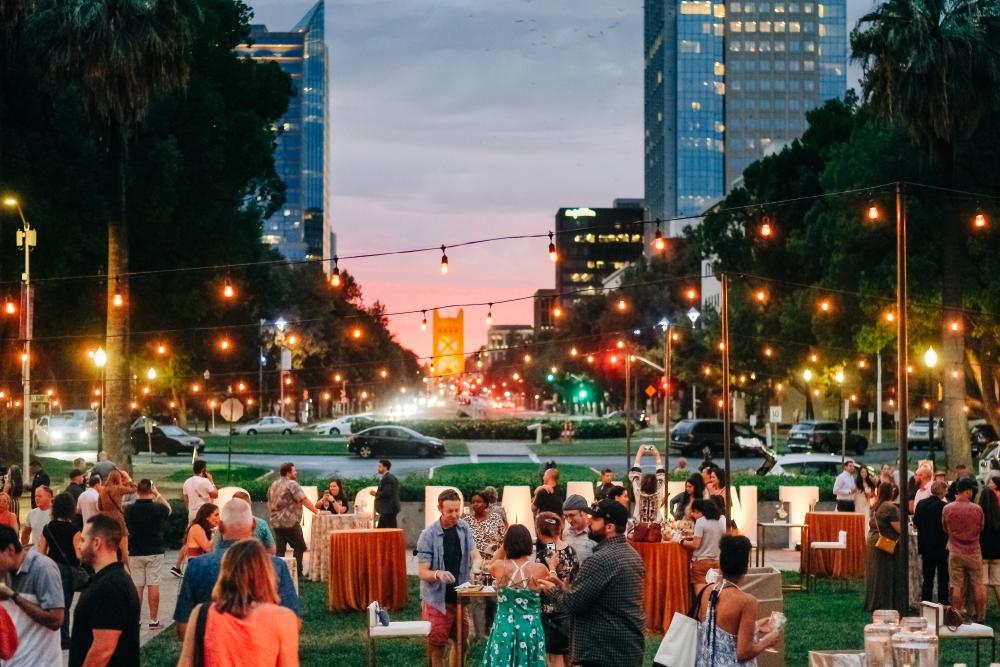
{"x": 452, "y": 562}
{"x": 59, "y": 535}
{"x": 108, "y": 603}
{"x": 549, "y": 502}
{"x": 145, "y": 519}
{"x": 75, "y": 490}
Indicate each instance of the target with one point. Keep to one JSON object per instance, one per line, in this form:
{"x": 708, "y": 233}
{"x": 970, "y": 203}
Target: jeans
{"x": 935, "y": 564}
{"x": 67, "y": 583}
{"x": 845, "y": 505}
{"x": 290, "y": 537}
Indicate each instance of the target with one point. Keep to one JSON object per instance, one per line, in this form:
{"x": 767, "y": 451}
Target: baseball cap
{"x": 611, "y": 511}
{"x": 575, "y": 502}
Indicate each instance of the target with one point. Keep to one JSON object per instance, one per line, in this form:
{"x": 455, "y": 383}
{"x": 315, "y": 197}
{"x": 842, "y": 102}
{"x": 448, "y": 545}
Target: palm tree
{"x": 120, "y": 54}
{"x": 934, "y": 66}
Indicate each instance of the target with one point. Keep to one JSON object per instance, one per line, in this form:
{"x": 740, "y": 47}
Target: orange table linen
{"x": 367, "y": 565}
{"x": 825, "y": 527}
{"x": 668, "y": 587}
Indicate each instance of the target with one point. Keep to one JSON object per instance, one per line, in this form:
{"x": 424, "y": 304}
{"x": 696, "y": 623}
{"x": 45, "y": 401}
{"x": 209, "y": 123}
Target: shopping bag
{"x": 680, "y": 645}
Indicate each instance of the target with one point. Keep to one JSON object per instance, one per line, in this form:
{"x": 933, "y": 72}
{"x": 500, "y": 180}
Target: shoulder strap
{"x": 199, "y": 635}
{"x": 696, "y": 603}
{"x": 51, "y": 539}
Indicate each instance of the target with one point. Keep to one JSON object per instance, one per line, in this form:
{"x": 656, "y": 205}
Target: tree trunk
{"x": 118, "y": 391}
{"x": 985, "y": 378}
{"x": 181, "y": 403}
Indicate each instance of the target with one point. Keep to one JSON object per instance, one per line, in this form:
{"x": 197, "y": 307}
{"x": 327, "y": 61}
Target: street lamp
{"x": 100, "y": 360}
{"x": 26, "y": 239}
{"x": 930, "y": 360}
{"x": 665, "y": 325}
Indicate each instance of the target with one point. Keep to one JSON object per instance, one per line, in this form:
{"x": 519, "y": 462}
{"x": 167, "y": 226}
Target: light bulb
{"x": 873, "y": 213}
{"x": 557, "y": 312}
{"x": 444, "y": 261}
{"x": 117, "y": 301}
{"x": 765, "y": 230}
{"x": 227, "y": 290}
{"x": 553, "y": 254}
{"x": 489, "y": 315}
{"x": 335, "y": 278}
{"x": 621, "y": 304}
{"x": 9, "y": 307}
{"x": 423, "y": 322}
{"x": 979, "y": 222}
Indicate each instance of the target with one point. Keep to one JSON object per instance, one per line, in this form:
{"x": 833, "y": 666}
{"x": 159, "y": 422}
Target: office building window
{"x": 765, "y": 26}
{"x": 809, "y": 65}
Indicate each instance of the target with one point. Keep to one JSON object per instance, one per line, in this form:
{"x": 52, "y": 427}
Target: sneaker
{"x": 153, "y": 625}
{"x": 176, "y": 571}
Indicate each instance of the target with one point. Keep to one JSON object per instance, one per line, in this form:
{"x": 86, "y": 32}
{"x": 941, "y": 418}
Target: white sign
{"x": 286, "y": 359}
{"x": 774, "y": 414}
{"x": 231, "y": 410}
{"x": 753, "y": 421}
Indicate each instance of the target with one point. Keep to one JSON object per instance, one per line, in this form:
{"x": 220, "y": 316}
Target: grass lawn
{"x": 296, "y": 444}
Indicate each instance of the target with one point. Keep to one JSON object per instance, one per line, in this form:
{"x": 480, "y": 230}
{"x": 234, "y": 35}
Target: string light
{"x": 9, "y": 307}
{"x": 890, "y": 316}
{"x": 862, "y": 364}
{"x": 116, "y": 299}
{"x": 691, "y": 294}
{"x": 768, "y": 352}
{"x": 335, "y": 274}
{"x": 527, "y": 358}
{"x": 955, "y": 325}
{"x": 873, "y": 212}
{"x": 814, "y": 358}
{"x": 161, "y": 349}
{"x": 553, "y": 254}
{"x": 383, "y": 373}
{"x": 356, "y": 333}
{"x": 621, "y": 304}
{"x": 761, "y": 296}
{"x": 489, "y": 315}
{"x": 194, "y": 388}
{"x": 572, "y": 352}
{"x": 825, "y": 306}
{"x": 444, "y": 261}
{"x": 979, "y": 221}
{"x": 227, "y": 290}
{"x": 766, "y": 231}
{"x": 292, "y": 339}
{"x": 590, "y": 358}
{"x": 423, "y": 322}
{"x": 224, "y": 344}
{"x": 658, "y": 242}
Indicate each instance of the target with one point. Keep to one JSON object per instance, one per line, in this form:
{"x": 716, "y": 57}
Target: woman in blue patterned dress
{"x": 517, "y": 639}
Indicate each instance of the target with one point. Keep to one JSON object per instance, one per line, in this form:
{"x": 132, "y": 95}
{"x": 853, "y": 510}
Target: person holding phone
{"x": 561, "y": 561}
{"x": 649, "y": 489}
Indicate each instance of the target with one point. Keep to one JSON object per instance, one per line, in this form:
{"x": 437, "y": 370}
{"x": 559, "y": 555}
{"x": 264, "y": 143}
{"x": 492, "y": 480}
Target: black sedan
{"x": 165, "y": 439}
{"x": 393, "y": 441}
{"x": 823, "y": 436}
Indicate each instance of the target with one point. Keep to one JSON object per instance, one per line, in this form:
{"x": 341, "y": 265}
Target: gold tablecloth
{"x": 826, "y": 527}
{"x": 319, "y": 546}
{"x": 367, "y": 565}
{"x": 668, "y": 582}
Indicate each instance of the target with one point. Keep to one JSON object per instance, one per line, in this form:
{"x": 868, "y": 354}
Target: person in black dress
{"x": 58, "y": 541}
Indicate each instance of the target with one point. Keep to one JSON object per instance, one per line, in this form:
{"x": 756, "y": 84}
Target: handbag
{"x": 79, "y": 576}
{"x": 647, "y": 532}
{"x": 883, "y": 543}
{"x": 952, "y": 617}
{"x": 679, "y": 647}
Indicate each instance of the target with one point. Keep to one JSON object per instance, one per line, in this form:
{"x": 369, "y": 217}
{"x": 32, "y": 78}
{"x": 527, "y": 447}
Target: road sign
{"x": 231, "y": 410}
{"x": 650, "y": 391}
{"x": 774, "y": 414}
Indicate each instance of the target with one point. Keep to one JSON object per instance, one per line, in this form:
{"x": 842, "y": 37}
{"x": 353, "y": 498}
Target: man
{"x": 285, "y": 500}
{"x": 235, "y": 524}
{"x": 932, "y": 542}
{"x": 261, "y": 531}
{"x": 106, "y": 619}
{"x": 39, "y": 517}
{"x": 38, "y": 478}
{"x": 844, "y": 487}
{"x": 198, "y": 489}
{"x": 922, "y": 479}
{"x": 548, "y": 497}
{"x": 34, "y": 601}
{"x": 86, "y": 504}
{"x": 619, "y": 494}
{"x": 445, "y": 551}
{"x": 682, "y": 466}
{"x": 577, "y": 530}
{"x": 103, "y": 467}
{"x": 605, "y": 485}
{"x": 145, "y": 519}
{"x": 76, "y": 485}
{"x": 963, "y": 520}
{"x": 386, "y": 496}
{"x": 961, "y": 472}
{"x": 605, "y": 600}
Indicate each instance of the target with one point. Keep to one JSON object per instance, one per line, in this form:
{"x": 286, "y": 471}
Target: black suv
{"x": 693, "y": 436}
{"x": 822, "y": 436}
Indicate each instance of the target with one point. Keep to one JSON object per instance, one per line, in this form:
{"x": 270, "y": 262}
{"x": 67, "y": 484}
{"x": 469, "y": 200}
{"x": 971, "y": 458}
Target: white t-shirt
{"x": 38, "y": 519}
{"x": 86, "y": 504}
{"x": 38, "y": 581}
{"x": 710, "y": 531}
{"x": 199, "y": 491}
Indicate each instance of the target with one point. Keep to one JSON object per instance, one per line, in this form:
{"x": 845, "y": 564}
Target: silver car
{"x": 268, "y": 425}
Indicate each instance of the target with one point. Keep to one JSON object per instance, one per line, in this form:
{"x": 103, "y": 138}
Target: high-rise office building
{"x": 300, "y": 229}
{"x": 727, "y": 83}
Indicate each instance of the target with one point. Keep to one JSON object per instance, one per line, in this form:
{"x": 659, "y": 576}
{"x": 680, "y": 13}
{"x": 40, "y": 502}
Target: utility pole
{"x": 727, "y": 415}
{"x": 902, "y": 386}
{"x": 26, "y": 239}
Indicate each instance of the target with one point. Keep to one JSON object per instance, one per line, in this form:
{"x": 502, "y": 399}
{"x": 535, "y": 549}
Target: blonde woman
{"x": 7, "y": 517}
{"x": 244, "y": 625}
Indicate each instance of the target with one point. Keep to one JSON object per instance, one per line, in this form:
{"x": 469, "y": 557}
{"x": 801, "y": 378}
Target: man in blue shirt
{"x": 235, "y": 523}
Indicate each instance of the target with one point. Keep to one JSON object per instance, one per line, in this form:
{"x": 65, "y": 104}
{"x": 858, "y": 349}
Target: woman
{"x": 648, "y": 489}
{"x": 560, "y": 560}
{"x": 884, "y": 575}
{"x": 867, "y": 488}
{"x": 716, "y": 483}
{"x": 59, "y": 541}
{"x": 989, "y": 539}
{"x": 488, "y": 527}
{"x": 8, "y": 518}
{"x": 13, "y": 486}
{"x": 704, "y": 544}
{"x": 680, "y": 505}
{"x": 517, "y": 637}
{"x": 490, "y": 494}
{"x": 728, "y": 617}
{"x": 335, "y": 498}
{"x": 198, "y": 538}
{"x": 245, "y": 625}
{"x": 111, "y": 502}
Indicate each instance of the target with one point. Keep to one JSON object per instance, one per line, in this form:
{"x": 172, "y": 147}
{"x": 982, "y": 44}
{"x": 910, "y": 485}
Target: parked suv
{"x": 693, "y": 436}
{"x": 822, "y": 436}
{"x": 918, "y": 432}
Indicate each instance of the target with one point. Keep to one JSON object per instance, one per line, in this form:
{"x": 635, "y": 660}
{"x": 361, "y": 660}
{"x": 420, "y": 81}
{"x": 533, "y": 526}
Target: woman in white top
{"x": 649, "y": 490}
{"x": 704, "y": 544}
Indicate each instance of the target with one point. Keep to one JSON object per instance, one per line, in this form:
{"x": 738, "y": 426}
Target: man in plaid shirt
{"x": 606, "y": 600}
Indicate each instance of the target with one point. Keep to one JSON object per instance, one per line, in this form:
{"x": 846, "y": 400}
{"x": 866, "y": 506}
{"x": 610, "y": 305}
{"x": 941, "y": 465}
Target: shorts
{"x": 146, "y": 569}
{"x": 699, "y": 568}
{"x": 991, "y": 572}
{"x": 443, "y": 626}
{"x": 963, "y": 568}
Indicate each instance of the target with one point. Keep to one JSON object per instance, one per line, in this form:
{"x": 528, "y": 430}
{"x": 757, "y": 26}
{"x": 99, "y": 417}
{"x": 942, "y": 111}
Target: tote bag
{"x": 679, "y": 647}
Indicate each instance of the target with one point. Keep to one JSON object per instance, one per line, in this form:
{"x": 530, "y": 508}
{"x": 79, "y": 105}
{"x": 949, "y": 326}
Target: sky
{"x": 455, "y": 120}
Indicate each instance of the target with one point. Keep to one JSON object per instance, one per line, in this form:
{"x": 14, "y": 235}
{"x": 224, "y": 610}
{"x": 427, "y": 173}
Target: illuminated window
{"x": 751, "y": 26}
{"x": 779, "y": 45}
{"x": 719, "y": 11}
{"x": 687, "y": 46}
{"x": 659, "y": 116}
{"x": 719, "y": 29}
{"x": 794, "y": 26}
{"x": 822, "y": 30}
{"x": 822, "y": 10}
{"x": 809, "y": 65}
{"x": 696, "y": 106}
{"x": 765, "y": 26}
{"x": 810, "y": 47}
{"x": 779, "y": 26}
{"x": 807, "y": 8}
{"x": 659, "y": 76}
{"x": 688, "y": 7}
{"x": 779, "y": 8}
{"x": 719, "y": 69}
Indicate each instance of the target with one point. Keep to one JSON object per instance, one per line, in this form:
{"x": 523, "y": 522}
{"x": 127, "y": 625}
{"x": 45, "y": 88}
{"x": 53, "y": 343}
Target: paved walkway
{"x": 490, "y": 449}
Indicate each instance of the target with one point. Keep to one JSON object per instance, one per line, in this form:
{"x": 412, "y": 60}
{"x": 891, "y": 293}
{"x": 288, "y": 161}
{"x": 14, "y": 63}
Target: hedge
{"x": 505, "y": 429}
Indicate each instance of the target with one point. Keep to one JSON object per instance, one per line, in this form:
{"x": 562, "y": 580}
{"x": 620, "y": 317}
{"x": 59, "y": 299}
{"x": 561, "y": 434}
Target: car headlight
{"x": 55, "y": 435}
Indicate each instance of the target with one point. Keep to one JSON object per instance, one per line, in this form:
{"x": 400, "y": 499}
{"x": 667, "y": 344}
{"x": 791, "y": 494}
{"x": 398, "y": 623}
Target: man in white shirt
{"x": 577, "y": 530}
{"x": 38, "y": 517}
{"x": 198, "y": 489}
{"x": 86, "y": 504}
{"x": 844, "y": 487}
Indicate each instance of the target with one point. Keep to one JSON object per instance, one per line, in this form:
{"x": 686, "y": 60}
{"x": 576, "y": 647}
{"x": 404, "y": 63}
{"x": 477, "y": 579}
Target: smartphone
{"x": 550, "y": 547}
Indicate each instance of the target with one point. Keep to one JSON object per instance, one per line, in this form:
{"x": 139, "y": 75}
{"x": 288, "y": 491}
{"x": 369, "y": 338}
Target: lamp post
{"x": 839, "y": 377}
{"x": 665, "y": 325}
{"x": 930, "y": 360}
{"x": 100, "y": 360}
{"x": 26, "y": 239}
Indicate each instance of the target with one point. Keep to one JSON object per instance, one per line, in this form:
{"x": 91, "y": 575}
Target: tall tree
{"x": 934, "y": 65}
{"x": 120, "y": 54}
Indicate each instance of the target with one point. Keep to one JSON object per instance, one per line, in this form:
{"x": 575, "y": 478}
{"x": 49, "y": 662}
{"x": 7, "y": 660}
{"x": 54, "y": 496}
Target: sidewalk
{"x": 500, "y": 448}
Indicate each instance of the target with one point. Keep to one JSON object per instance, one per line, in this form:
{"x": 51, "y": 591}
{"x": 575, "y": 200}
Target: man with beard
{"x": 106, "y": 620}
{"x": 605, "y": 600}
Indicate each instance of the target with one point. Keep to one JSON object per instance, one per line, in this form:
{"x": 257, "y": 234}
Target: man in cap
{"x": 964, "y": 520}
{"x": 577, "y": 533}
{"x": 605, "y": 600}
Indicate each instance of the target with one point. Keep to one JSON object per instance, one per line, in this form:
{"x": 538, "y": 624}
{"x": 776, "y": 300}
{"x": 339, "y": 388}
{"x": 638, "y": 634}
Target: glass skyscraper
{"x": 727, "y": 83}
{"x": 300, "y": 229}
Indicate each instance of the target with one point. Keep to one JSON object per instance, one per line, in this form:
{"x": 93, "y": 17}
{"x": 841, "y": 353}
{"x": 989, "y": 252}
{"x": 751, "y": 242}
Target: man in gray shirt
{"x": 34, "y": 601}
{"x": 577, "y": 530}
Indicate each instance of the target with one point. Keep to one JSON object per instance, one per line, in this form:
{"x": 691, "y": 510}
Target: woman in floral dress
{"x": 517, "y": 638}
{"x": 560, "y": 560}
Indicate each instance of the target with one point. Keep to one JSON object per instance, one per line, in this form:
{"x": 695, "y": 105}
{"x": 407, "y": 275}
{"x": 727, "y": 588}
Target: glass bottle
{"x": 878, "y": 637}
{"x": 915, "y": 648}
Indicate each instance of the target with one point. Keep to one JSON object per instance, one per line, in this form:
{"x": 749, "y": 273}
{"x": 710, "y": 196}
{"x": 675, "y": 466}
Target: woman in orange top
{"x": 8, "y": 518}
{"x": 245, "y": 625}
{"x": 111, "y": 502}
{"x": 198, "y": 538}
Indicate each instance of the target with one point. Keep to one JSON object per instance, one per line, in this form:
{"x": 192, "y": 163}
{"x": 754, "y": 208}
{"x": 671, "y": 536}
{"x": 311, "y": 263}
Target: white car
{"x": 343, "y": 425}
{"x": 807, "y": 464}
{"x": 268, "y": 425}
{"x": 68, "y": 427}
{"x": 989, "y": 462}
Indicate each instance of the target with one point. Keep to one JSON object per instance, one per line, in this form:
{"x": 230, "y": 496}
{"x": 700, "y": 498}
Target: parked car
{"x": 807, "y": 464}
{"x": 693, "y": 436}
{"x": 165, "y": 439}
{"x": 343, "y": 425}
{"x": 918, "y": 432}
{"x": 393, "y": 441}
{"x": 70, "y": 427}
{"x": 982, "y": 436}
{"x": 268, "y": 425}
{"x": 639, "y": 417}
{"x": 823, "y": 436}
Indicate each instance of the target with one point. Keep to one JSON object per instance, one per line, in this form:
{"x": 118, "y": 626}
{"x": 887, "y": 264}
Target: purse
{"x": 679, "y": 647}
{"x": 647, "y": 532}
{"x": 79, "y": 576}
{"x": 952, "y": 617}
{"x": 886, "y": 544}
